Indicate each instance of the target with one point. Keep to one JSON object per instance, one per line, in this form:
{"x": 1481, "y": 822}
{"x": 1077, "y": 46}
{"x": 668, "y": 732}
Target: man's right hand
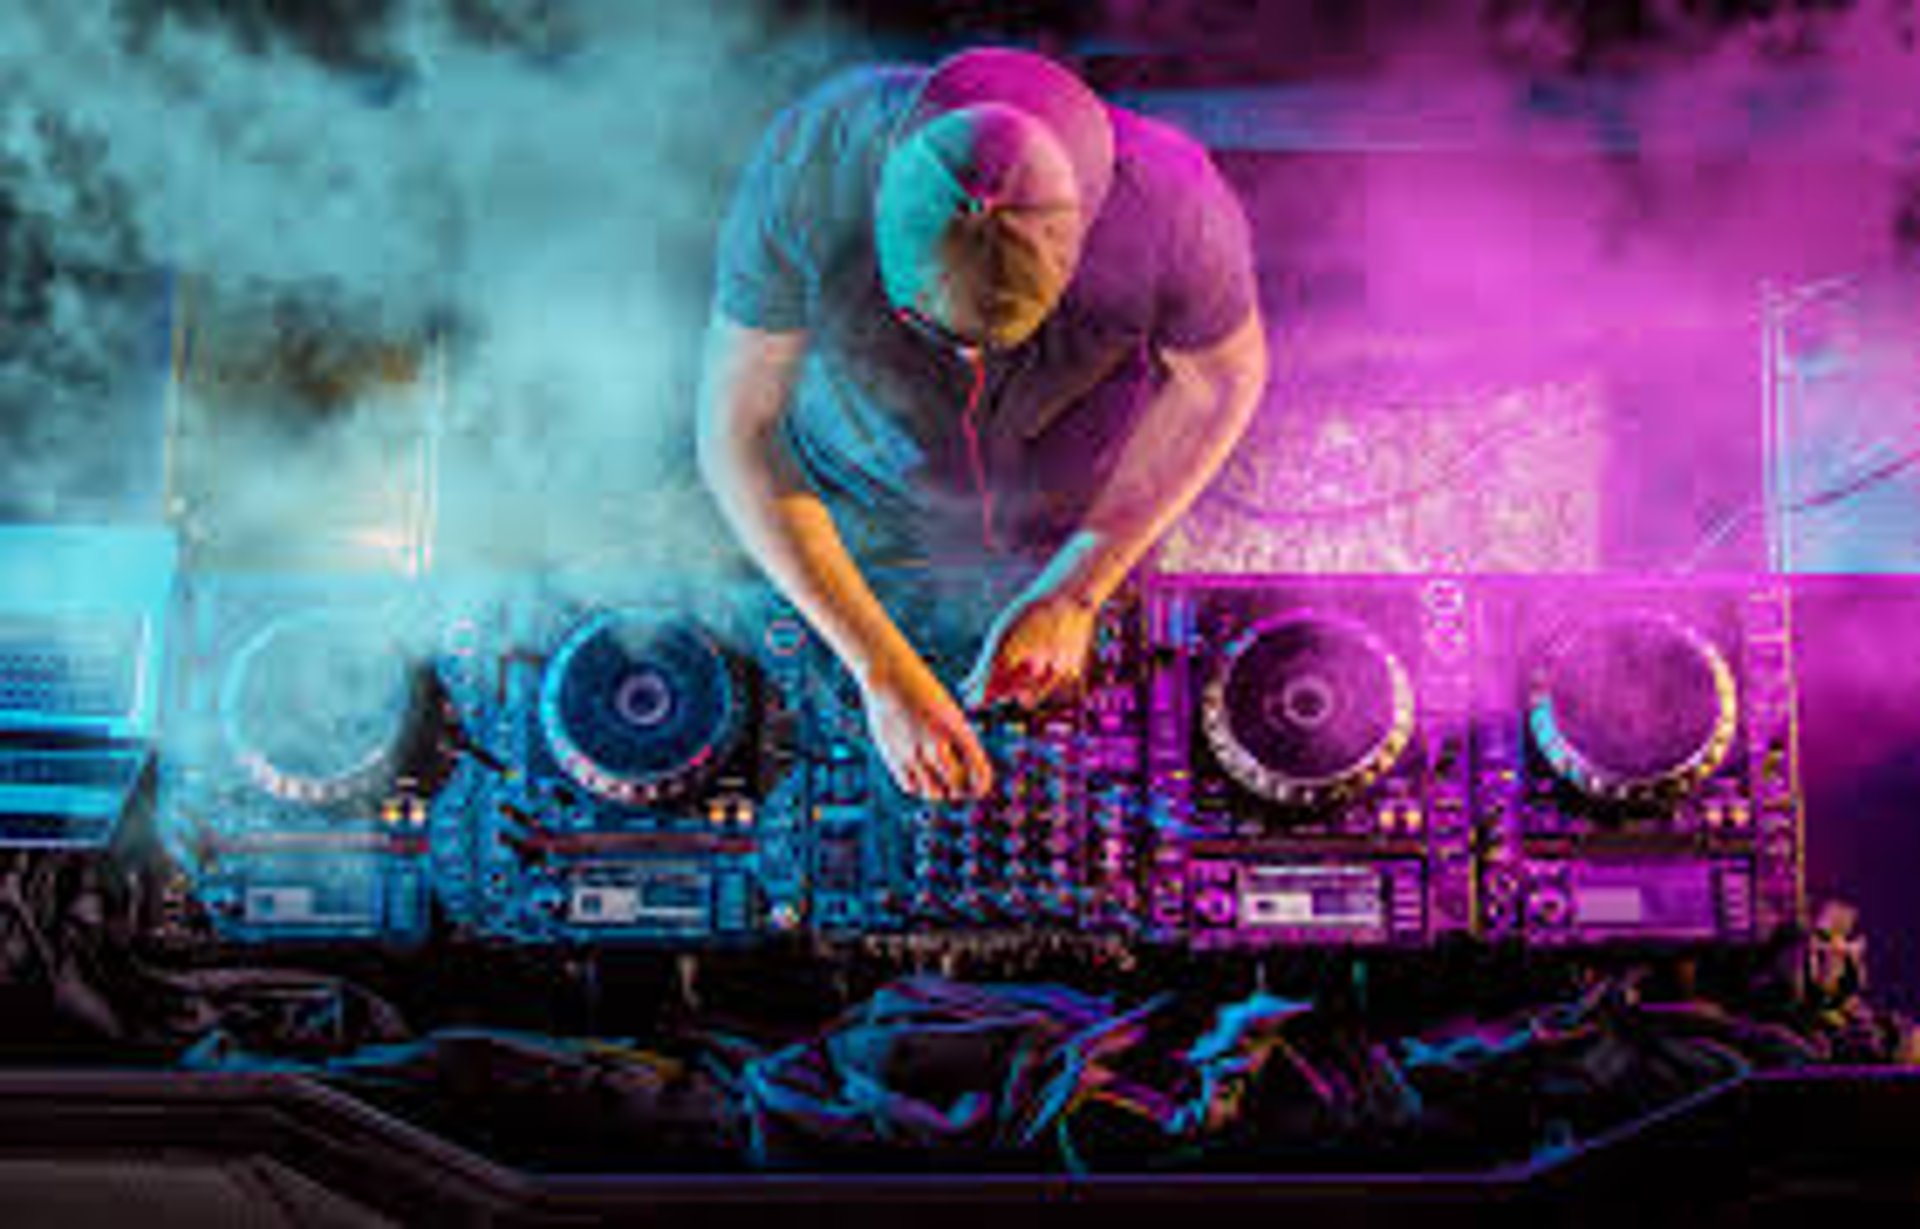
{"x": 746, "y": 379}
{"x": 924, "y": 737}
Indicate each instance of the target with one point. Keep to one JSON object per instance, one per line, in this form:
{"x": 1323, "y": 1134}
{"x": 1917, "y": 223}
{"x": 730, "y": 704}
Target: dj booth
{"x": 519, "y": 901}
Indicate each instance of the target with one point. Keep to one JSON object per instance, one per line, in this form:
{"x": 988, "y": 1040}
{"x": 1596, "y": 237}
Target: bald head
{"x": 978, "y": 223}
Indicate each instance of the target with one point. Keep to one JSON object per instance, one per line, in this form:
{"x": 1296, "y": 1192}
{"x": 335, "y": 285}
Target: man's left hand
{"x": 1034, "y": 650}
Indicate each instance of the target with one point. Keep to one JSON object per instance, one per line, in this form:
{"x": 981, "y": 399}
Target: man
{"x": 962, "y": 310}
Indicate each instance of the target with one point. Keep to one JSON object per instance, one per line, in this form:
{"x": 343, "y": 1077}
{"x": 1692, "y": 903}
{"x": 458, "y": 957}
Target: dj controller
{"x": 1248, "y": 763}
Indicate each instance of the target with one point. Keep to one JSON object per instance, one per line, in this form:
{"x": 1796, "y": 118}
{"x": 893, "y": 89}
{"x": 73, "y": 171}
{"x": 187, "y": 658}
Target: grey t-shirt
{"x": 876, "y": 420}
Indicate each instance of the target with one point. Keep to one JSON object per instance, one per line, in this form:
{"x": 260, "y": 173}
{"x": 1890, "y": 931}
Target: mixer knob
{"x": 1215, "y": 906}
{"x": 1548, "y": 908}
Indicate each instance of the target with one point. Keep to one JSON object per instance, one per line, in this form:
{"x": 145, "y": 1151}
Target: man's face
{"x": 979, "y": 226}
{"x": 1005, "y": 272}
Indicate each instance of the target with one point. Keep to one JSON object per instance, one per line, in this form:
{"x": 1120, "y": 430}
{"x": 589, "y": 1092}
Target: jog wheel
{"x": 318, "y": 706}
{"x": 1633, "y": 708}
{"x": 1307, "y": 709}
{"x": 638, "y": 709}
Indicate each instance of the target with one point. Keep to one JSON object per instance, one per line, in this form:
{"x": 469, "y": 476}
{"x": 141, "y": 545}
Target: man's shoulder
{"x": 862, "y": 102}
{"x": 1154, "y": 153}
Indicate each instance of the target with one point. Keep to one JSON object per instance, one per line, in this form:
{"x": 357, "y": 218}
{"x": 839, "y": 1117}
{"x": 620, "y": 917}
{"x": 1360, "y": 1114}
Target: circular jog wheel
{"x": 317, "y": 706}
{"x": 638, "y": 709}
{"x": 1306, "y": 709}
{"x": 1633, "y": 707}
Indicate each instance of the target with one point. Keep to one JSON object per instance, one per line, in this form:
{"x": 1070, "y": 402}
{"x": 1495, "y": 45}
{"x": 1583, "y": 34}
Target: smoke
{"x": 69, "y": 323}
{"x": 1860, "y": 748}
{"x": 531, "y": 186}
{"x": 1552, "y": 191}
{"x": 519, "y": 197}
{"x": 522, "y": 196}
{"x": 443, "y": 268}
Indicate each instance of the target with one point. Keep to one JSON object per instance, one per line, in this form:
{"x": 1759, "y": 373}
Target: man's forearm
{"x": 929, "y": 748}
{"x": 1196, "y": 418}
{"x": 786, "y": 527}
{"x": 775, "y": 512}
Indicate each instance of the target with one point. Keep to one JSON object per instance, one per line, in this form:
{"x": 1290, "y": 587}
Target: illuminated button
{"x": 849, "y": 783}
{"x": 1215, "y": 906}
{"x": 1548, "y": 908}
{"x": 784, "y": 637}
{"x": 461, "y": 639}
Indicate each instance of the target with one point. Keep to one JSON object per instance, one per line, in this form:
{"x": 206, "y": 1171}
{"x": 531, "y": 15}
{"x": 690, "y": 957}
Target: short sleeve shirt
{"x": 877, "y": 419}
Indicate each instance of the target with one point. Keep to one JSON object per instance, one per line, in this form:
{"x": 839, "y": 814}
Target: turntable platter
{"x": 1632, "y": 706}
{"x": 1307, "y": 708}
{"x": 637, "y": 708}
{"x": 317, "y": 705}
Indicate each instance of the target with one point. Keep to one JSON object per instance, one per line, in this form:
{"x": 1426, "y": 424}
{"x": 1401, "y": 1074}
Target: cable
{"x": 1838, "y": 493}
{"x": 976, "y": 458}
{"x": 1848, "y": 490}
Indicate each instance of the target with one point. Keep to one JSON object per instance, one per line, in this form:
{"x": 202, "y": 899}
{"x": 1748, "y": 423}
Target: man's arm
{"x": 1184, "y": 435}
{"x": 747, "y": 377}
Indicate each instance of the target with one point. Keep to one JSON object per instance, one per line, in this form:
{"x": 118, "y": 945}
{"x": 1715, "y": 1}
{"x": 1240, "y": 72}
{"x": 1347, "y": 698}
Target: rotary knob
{"x": 1215, "y": 906}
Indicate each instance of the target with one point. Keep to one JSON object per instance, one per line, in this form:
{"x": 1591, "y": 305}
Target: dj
{"x": 963, "y": 313}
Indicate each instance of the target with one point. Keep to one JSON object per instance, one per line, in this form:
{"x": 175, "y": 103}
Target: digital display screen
{"x": 624, "y": 896}
{"x": 1311, "y": 896}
